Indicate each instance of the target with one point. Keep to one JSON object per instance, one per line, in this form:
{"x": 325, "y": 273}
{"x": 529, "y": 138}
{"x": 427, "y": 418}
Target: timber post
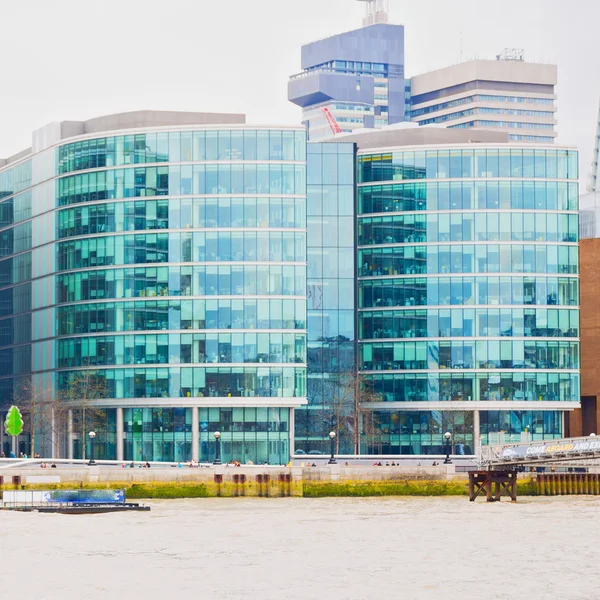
{"x": 494, "y": 484}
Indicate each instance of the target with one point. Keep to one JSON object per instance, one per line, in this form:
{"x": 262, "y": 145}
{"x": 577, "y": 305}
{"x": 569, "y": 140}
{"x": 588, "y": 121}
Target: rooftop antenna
{"x": 512, "y": 54}
{"x": 377, "y": 11}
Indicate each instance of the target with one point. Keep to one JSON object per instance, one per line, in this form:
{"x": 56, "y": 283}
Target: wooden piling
{"x": 494, "y": 484}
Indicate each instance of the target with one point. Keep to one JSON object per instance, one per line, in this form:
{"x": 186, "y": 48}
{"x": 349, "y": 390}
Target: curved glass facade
{"x": 229, "y": 278}
{"x": 468, "y": 293}
{"x": 171, "y": 265}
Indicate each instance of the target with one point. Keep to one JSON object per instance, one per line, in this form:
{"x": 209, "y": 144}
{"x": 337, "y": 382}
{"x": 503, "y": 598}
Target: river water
{"x": 304, "y": 549}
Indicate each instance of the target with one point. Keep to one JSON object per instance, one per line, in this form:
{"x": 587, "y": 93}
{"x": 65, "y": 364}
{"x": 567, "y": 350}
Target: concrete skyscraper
{"x": 507, "y": 94}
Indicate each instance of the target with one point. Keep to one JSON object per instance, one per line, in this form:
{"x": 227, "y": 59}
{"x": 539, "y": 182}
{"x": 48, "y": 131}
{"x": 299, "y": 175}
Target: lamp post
{"x": 217, "y": 435}
{"x": 447, "y": 460}
{"x": 332, "y": 460}
{"x": 92, "y": 435}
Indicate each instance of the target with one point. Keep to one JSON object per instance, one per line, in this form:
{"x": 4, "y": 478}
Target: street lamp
{"x": 217, "y": 435}
{"x": 447, "y": 460}
{"x": 332, "y": 460}
{"x": 92, "y": 435}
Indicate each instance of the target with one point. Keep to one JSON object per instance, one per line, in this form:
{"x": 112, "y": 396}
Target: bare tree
{"x": 41, "y": 412}
{"x": 371, "y": 427}
{"x": 78, "y": 395}
{"x": 347, "y": 397}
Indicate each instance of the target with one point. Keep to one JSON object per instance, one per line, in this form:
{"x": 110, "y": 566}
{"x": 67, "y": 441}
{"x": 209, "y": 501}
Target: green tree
{"x": 13, "y": 425}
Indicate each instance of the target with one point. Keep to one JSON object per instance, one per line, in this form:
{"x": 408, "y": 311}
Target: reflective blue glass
{"x": 331, "y": 283}
{"x": 165, "y": 265}
{"x": 468, "y": 286}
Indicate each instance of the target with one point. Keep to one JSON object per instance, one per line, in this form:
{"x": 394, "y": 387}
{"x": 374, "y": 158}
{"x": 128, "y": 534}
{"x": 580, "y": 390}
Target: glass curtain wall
{"x": 166, "y": 265}
{"x": 468, "y": 291}
{"x": 331, "y": 303}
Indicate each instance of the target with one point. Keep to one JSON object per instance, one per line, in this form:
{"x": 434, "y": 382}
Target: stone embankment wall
{"x": 262, "y": 481}
{"x": 100, "y": 474}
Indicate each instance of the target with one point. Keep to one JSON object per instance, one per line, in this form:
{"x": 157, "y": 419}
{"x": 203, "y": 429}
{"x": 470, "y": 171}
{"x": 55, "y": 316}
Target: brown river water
{"x": 304, "y": 549}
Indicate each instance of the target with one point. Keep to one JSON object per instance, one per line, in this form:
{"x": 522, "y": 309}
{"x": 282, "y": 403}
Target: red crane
{"x": 333, "y": 124}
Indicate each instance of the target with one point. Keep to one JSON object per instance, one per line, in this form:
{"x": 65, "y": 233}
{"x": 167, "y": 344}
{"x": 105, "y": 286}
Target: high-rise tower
{"x": 357, "y": 75}
{"x": 504, "y": 94}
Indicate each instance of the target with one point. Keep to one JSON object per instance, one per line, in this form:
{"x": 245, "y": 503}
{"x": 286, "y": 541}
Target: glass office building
{"x": 176, "y": 272}
{"x": 331, "y": 297}
{"x": 468, "y": 296}
{"x": 163, "y": 256}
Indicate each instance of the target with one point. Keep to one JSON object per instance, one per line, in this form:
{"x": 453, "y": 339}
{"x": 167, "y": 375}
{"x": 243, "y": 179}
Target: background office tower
{"x": 507, "y": 93}
{"x": 358, "y": 76}
{"x": 468, "y": 317}
{"x": 162, "y": 257}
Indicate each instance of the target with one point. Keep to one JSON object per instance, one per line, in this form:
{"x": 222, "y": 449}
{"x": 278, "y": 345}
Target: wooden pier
{"x": 493, "y": 485}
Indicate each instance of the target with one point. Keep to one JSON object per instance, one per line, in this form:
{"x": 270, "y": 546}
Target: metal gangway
{"x": 575, "y": 451}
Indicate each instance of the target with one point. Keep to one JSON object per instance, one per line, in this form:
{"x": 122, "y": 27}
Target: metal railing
{"x": 575, "y": 450}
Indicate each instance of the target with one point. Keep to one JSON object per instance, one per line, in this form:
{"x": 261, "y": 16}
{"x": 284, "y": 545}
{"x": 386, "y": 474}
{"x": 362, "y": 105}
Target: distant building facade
{"x": 507, "y": 94}
{"x": 358, "y": 76}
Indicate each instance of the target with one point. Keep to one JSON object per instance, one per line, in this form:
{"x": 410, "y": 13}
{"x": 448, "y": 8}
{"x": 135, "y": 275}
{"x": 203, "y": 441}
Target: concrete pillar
{"x": 120, "y": 434}
{"x": 476, "y": 433}
{"x": 195, "y": 434}
{"x": 15, "y": 445}
{"x": 292, "y": 432}
{"x": 70, "y": 434}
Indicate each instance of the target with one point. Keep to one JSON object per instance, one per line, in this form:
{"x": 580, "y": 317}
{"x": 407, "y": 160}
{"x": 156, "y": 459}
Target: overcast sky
{"x": 75, "y": 59}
